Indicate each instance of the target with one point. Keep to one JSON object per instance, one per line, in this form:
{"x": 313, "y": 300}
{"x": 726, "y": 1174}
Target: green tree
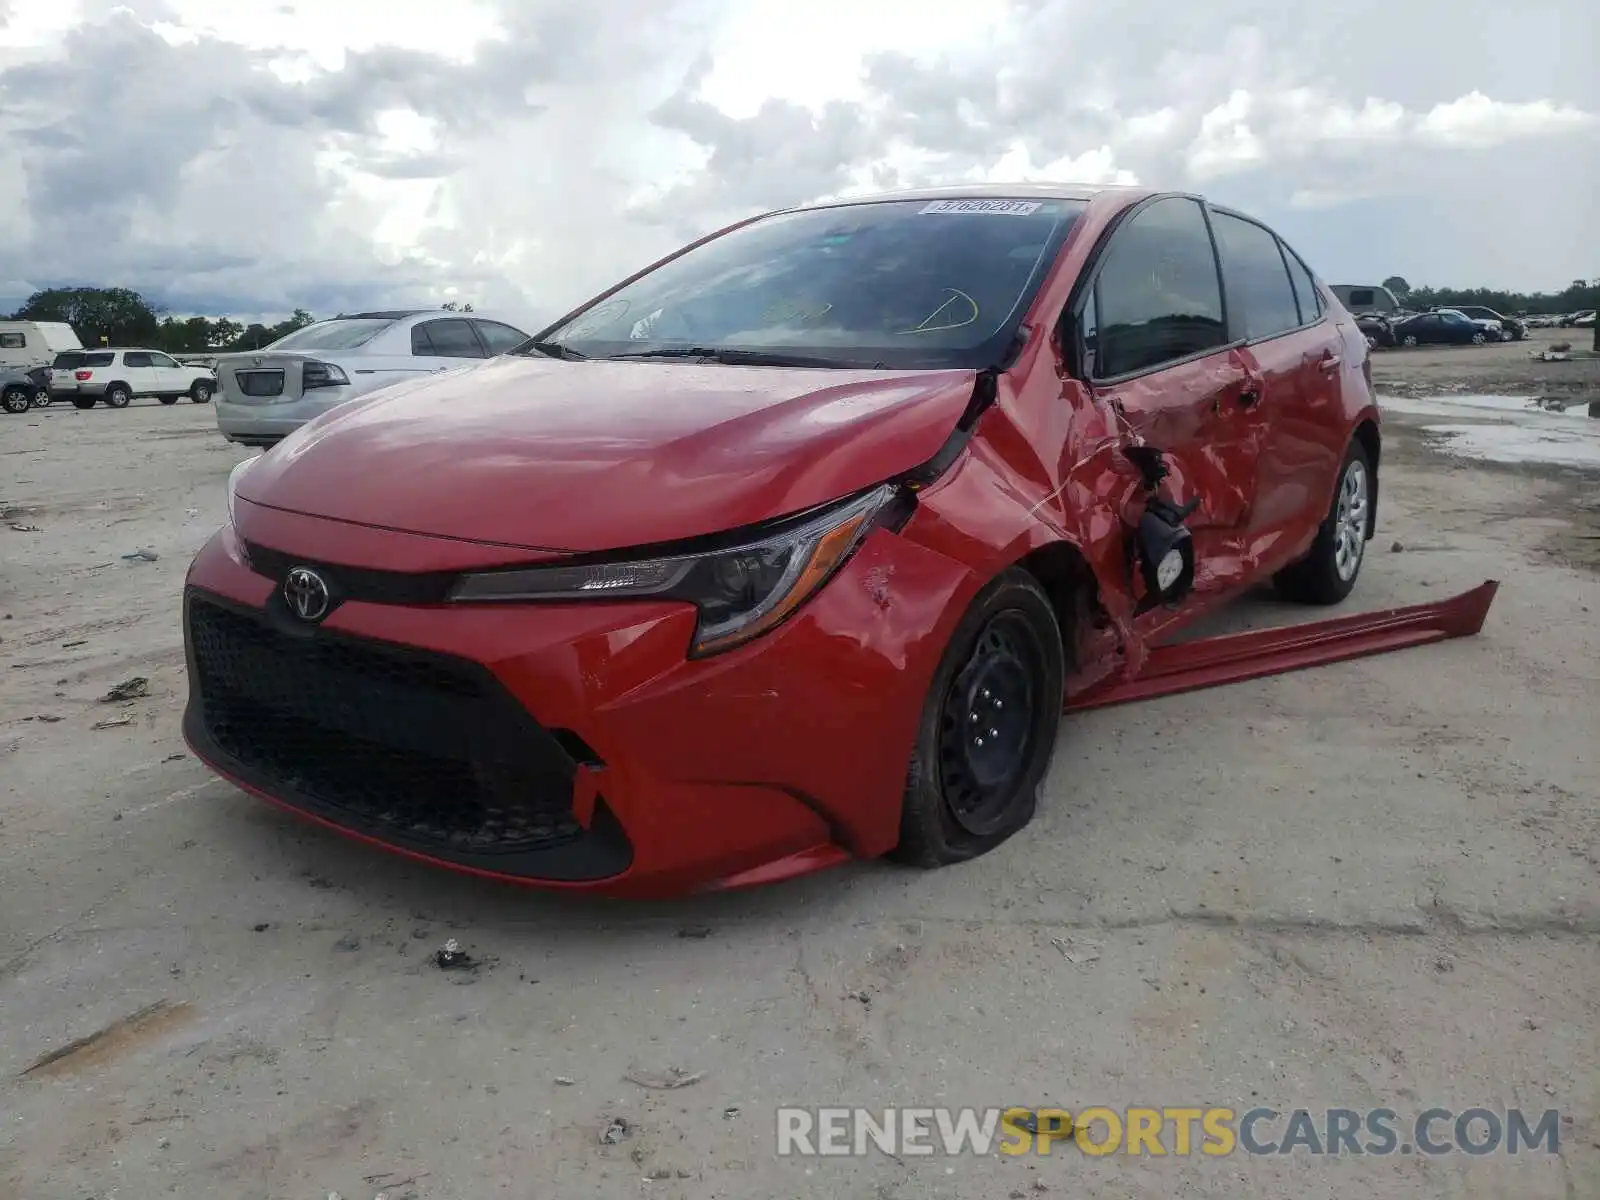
{"x": 116, "y": 316}
{"x": 1398, "y": 285}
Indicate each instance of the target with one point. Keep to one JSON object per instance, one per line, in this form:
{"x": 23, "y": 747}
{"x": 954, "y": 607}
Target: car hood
{"x": 586, "y": 456}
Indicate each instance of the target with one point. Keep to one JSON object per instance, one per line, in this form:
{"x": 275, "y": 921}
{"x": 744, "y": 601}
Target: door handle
{"x": 1330, "y": 361}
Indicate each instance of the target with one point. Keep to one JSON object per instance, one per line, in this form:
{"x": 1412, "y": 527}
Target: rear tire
{"x": 200, "y": 393}
{"x": 977, "y": 766}
{"x": 1409, "y": 341}
{"x": 1328, "y": 572}
{"x": 84, "y": 402}
{"x": 118, "y": 396}
{"x": 16, "y": 400}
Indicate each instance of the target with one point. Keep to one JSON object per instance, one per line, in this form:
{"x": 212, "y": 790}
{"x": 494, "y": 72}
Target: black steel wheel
{"x": 988, "y": 727}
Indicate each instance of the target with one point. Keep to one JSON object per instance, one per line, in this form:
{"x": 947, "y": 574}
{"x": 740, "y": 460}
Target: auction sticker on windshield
{"x": 1004, "y": 208}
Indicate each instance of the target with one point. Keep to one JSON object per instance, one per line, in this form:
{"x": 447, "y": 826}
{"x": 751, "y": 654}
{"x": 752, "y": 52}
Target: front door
{"x": 170, "y": 375}
{"x": 1159, "y": 353}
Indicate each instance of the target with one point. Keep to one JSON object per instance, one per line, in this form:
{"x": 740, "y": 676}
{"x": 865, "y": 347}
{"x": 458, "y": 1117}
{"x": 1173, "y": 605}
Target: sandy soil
{"x": 1501, "y": 367}
{"x": 1374, "y": 884}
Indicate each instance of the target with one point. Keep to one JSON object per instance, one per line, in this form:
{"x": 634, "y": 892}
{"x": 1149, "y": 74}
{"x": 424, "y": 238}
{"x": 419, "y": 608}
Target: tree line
{"x": 1577, "y": 295}
{"x": 118, "y": 316}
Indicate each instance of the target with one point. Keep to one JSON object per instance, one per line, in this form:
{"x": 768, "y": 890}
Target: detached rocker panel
{"x": 1256, "y": 653}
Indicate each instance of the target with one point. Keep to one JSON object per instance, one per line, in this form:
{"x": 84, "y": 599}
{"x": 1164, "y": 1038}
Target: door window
{"x": 136, "y": 358}
{"x": 449, "y": 338}
{"x": 1158, "y": 297}
{"x": 1261, "y": 298}
{"x": 161, "y": 360}
{"x": 1305, "y": 287}
{"x": 499, "y": 338}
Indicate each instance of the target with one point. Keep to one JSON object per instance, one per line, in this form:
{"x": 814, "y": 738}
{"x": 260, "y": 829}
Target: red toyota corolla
{"x": 787, "y": 549}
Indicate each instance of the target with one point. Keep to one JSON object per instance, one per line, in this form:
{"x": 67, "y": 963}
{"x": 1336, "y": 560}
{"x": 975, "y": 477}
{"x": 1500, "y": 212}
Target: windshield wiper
{"x": 739, "y": 358}
{"x": 552, "y": 350}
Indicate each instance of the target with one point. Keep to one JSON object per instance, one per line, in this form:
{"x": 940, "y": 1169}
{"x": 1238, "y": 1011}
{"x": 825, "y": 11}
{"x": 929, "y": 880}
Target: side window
{"x": 499, "y": 338}
{"x": 449, "y": 338}
{"x": 161, "y": 360}
{"x": 1305, "y": 287}
{"x": 13, "y": 341}
{"x": 136, "y": 358}
{"x": 1261, "y": 299}
{"x": 1158, "y": 297}
{"x": 1362, "y": 297}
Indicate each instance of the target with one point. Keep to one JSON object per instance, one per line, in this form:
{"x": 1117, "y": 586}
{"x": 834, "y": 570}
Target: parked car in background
{"x": 1584, "y": 320}
{"x": 787, "y": 549}
{"x": 1511, "y": 329}
{"x": 1572, "y": 318}
{"x": 27, "y": 345}
{"x": 117, "y": 375}
{"x": 1368, "y": 298}
{"x": 1493, "y": 331}
{"x": 267, "y": 394}
{"x": 1444, "y": 327}
{"x": 1377, "y": 329}
{"x": 22, "y": 390}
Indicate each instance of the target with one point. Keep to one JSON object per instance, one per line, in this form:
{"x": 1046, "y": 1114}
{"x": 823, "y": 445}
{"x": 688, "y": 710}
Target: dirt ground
{"x": 1375, "y": 884}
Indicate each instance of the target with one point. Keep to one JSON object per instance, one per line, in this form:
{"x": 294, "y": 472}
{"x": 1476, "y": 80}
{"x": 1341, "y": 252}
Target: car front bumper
{"x": 568, "y": 746}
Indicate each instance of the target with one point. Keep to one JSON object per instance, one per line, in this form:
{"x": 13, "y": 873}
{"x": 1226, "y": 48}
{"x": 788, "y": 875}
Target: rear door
{"x": 138, "y": 371}
{"x": 446, "y": 341}
{"x": 1159, "y": 354}
{"x": 1297, "y": 356}
{"x": 497, "y": 337}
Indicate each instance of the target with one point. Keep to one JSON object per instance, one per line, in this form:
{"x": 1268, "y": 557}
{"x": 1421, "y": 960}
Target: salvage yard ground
{"x": 1371, "y": 885}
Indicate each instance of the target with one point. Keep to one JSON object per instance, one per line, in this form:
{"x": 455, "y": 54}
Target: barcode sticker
{"x": 999, "y": 208}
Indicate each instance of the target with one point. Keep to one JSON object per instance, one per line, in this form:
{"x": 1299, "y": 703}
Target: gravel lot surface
{"x": 1375, "y": 884}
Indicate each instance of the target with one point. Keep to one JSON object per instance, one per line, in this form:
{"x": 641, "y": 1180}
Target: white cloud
{"x": 1475, "y": 120}
{"x": 525, "y": 153}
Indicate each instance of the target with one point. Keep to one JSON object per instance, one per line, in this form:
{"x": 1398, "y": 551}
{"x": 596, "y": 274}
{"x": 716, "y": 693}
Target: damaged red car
{"x": 792, "y": 547}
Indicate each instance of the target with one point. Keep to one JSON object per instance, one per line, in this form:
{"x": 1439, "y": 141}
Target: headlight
{"x": 741, "y": 591}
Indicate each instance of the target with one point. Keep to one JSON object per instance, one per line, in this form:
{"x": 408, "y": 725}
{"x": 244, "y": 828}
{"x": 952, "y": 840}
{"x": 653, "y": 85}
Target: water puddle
{"x": 1506, "y": 429}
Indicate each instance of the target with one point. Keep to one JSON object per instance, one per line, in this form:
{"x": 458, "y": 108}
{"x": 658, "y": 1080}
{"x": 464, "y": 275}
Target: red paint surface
{"x": 785, "y": 754}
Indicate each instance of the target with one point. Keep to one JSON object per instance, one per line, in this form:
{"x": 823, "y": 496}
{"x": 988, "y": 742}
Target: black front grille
{"x": 423, "y": 749}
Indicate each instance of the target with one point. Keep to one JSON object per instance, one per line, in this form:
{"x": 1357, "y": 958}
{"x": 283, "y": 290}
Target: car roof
{"x": 984, "y": 191}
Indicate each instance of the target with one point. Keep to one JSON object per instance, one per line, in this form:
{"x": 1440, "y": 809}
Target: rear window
{"x": 336, "y": 334}
{"x": 68, "y": 360}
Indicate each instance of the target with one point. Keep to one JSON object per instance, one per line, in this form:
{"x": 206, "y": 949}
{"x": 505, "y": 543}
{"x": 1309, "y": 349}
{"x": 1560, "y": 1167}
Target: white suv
{"x": 117, "y": 376}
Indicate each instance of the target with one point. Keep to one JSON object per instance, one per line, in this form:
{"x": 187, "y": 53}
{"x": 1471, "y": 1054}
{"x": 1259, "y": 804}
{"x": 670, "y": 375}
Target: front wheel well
{"x": 1372, "y": 443}
{"x": 1074, "y": 592}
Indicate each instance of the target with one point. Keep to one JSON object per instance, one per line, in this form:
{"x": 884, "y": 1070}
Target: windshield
{"x": 333, "y": 335}
{"x": 888, "y": 283}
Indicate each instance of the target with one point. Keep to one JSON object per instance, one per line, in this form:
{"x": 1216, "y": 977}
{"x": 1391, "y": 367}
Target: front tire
{"x": 1478, "y": 339}
{"x": 1409, "y": 341}
{"x": 16, "y": 400}
{"x": 200, "y": 393}
{"x": 1327, "y": 574}
{"x": 988, "y": 727}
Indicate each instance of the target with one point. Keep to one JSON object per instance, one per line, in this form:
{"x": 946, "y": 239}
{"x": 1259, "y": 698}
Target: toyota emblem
{"x": 307, "y": 594}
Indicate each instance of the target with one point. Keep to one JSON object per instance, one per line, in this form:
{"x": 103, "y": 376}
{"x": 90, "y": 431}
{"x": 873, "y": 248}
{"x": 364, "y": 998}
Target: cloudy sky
{"x": 250, "y": 156}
